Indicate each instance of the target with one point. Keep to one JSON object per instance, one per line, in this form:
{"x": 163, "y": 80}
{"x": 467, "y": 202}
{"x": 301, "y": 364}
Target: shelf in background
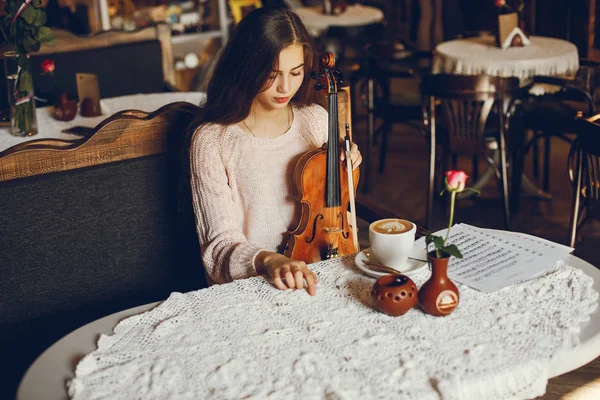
{"x": 190, "y": 37}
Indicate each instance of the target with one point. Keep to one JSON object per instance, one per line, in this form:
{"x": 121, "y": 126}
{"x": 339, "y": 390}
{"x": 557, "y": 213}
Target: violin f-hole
{"x": 314, "y": 230}
{"x": 345, "y": 233}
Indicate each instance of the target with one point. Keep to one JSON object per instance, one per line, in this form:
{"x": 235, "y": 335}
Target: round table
{"x": 47, "y": 376}
{"x": 355, "y": 15}
{"x": 480, "y": 55}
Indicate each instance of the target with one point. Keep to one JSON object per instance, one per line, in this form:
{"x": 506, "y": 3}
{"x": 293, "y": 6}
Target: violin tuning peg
{"x": 319, "y": 86}
{"x": 316, "y": 75}
{"x": 341, "y": 82}
{"x": 337, "y": 71}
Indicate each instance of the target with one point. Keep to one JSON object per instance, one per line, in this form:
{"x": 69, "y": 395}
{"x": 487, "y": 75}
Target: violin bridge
{"x": 332, "y": 230}
{"x": 332, "y": 252}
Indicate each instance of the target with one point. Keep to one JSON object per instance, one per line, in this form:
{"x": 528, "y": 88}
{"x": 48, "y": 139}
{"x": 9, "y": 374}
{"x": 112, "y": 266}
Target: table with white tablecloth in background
{"x": 247, "y": 339}
{"x": 481, "y": 56}
{"x": 51, "y": 128}
{"x": 317, "y": 23}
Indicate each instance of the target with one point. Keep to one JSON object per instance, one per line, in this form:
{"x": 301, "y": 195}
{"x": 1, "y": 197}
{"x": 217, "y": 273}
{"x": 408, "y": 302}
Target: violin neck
{"x": 333, "y": 191}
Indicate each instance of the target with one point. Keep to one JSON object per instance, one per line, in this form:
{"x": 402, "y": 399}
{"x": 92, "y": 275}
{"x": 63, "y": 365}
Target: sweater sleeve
{"x": 226, "y": 253}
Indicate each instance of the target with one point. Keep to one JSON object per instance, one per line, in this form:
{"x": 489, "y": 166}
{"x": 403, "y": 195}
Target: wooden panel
{"x": 93, "y": 13}
{"x": 163, "y": 33}
{"x": 66, "y": 41}
{"x": 125, "y": 135}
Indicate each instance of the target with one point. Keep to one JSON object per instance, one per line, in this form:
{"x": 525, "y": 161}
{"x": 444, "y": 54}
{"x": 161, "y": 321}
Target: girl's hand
{"x": 285, "y": 272}
{"x": 355, "y": 156}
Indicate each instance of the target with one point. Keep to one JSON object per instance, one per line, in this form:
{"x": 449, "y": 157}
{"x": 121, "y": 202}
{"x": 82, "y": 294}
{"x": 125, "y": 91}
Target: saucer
{"x": 410, "y": 268}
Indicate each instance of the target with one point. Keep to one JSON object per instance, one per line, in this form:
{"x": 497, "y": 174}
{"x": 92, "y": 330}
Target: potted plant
{"x": 24, "y": 32}
{"x": 439, "y": 295}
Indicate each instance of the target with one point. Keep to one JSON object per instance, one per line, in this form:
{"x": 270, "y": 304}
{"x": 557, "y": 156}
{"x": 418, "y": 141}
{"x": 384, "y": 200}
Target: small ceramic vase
{"x": 90, "y": 108}
{"x": 394, "y": 294}
{"x": 65, "y": 109}
{"x": 439, "y": 295}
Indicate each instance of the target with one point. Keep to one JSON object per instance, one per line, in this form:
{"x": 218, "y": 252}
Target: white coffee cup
{"x": 392, "y": 241}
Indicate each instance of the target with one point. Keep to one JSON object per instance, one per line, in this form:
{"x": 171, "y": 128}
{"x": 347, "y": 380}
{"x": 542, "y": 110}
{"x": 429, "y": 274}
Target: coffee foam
{"x": 392, "y": 226}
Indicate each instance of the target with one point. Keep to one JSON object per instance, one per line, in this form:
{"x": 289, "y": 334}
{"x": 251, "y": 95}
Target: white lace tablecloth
{"x": 355, "y": 15}
{"x": 48, "y": 127}
{"x": 249, "y": 340}
{"x": 480, "y": 55}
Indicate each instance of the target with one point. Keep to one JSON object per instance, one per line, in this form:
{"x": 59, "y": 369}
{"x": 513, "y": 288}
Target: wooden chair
{"x": 584, "y": 168}
{"x": 391, "y": 63}
{"x": 553, "y": 115}
{"x": 93, "y": 226}
{"x": 466, "y": 129}
{"x": 125, "y": 62}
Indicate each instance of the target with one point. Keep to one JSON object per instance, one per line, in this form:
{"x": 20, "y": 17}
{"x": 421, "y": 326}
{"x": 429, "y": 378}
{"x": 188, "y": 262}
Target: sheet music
{"x": 494, "y": 259}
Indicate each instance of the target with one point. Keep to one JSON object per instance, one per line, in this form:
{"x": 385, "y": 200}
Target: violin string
{"x": 334, "y": 161}
{"x": 331, "y": 155}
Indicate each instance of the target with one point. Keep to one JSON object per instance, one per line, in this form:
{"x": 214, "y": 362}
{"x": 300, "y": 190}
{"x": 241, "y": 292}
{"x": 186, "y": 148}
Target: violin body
{"x": 314, "y": 240}
{"x": 322, "y": 183}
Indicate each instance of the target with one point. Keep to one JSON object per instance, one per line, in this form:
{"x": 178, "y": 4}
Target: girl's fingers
{"x": 277, "y": 281}
{"x": 299, "y": 278}
{"x": 293, "y": 275}
{"x": 355, "y": 155}
{"x": 356, "y": 160}
{"x": 311, "y": 281}
{"x": 289, "y": 279}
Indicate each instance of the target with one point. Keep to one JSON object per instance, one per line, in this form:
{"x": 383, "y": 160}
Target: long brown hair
{"x": 247, "y": 62}
{"x": 241, "y": 71}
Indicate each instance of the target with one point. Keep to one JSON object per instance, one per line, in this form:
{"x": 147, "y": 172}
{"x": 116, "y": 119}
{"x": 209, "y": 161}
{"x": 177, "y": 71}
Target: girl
{"x": 257, "y": 121}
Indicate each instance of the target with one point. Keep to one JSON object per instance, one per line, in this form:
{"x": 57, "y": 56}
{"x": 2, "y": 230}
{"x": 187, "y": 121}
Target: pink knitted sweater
{"x": 243, "y": 190}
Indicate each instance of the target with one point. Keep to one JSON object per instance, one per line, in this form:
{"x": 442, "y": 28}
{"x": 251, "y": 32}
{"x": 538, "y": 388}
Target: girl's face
{"x": 285, "y": 82}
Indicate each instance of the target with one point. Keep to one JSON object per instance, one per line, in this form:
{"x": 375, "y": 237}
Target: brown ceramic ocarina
{"x": 394, "y": 294}
{"x": 90, "y": 108}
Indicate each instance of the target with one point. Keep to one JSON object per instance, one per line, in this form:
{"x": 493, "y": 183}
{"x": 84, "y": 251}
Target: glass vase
{"x": 19, "y": 83}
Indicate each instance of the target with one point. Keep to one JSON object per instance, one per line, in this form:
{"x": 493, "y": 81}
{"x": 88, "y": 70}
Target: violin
{"x": 323, "y": 189}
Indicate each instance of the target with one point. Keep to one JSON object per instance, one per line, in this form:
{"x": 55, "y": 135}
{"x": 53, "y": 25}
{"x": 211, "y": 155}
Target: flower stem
{"x": 452, "y": 201}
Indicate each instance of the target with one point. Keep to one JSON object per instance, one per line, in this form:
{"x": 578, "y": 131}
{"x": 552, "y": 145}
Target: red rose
{"x": 456, "y": 180}
{"x": 48, "y": 66}
{"x": 500, "y": 3}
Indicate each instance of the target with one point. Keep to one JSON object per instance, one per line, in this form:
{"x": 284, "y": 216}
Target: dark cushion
{"x": 81, "y": 244}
